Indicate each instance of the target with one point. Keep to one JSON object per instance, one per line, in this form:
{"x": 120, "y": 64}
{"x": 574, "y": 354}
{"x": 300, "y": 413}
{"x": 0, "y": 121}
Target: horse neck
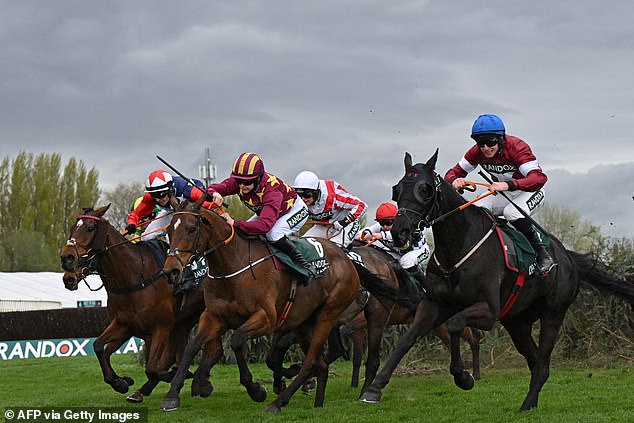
{"x": 461, "y": 230}
{"x": 225, "y": 255}
{"x": 122, "y": 265}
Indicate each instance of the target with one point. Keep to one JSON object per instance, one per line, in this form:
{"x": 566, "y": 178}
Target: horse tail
{"x": 376, "y": 284}
{"x": 409, "y": 294}
{"x": 593, "y": 271}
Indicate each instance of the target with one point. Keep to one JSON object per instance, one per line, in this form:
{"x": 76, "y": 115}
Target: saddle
{"x": 312, "y": 251}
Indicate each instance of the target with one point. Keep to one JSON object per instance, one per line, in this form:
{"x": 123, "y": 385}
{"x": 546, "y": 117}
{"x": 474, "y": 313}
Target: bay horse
{"x": 468, "y": 281}
{"x": 244, "y": 291}
{"x": 140, "y": 299}
{"x": 376, "y": 316}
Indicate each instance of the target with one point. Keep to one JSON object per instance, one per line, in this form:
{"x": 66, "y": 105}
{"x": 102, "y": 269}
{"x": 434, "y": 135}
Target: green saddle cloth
{"x": 313, "y": 252}
{"x": 522, "y": 255}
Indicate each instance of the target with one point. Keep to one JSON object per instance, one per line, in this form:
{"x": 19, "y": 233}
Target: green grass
{"x": 571, "y": 395}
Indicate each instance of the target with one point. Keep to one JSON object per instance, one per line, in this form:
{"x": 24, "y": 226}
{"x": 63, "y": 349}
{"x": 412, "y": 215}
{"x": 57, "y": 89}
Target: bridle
{"x": 95, "y": 247}
{"x": 195, "y": 250}
{"x": 421, "y": 220}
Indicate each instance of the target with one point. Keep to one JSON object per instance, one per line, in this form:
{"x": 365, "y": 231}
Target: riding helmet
{"x": 247, "y": 166}
{"x": 159, "y": 181}
{"x": 306, "y": 182}
{"x": 386, "y": 211}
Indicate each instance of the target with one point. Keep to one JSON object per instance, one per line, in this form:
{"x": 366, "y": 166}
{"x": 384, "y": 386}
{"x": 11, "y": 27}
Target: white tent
{"x": 21, "y": 291}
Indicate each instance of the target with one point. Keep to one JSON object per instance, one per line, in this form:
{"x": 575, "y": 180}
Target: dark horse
{"x": 468, "y": 281}
{"x": 245, "y": 292}
{"x": 377, "y": 315}
{"x": 140, "y": 299}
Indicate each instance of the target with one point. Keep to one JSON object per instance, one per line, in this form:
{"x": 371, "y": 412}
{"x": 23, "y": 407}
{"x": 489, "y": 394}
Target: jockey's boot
{"x": 286, "y": 246}
{"x": 416, "y": 273}
{"x": 545, "y": 262}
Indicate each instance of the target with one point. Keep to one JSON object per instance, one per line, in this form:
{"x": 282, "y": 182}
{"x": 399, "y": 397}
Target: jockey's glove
{"x": 130, "y": 229}
{"x": 340, "y": 224}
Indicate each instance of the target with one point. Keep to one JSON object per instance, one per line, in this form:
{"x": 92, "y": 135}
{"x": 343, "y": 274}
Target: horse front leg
{"x": 462, "y": 378}
{"x": 104, "y": 346}
{"x": 275, "y": 360}
{"x": 477, "y": 315}
{"x": 172, "y": 399}
{"x": 161, "y": 355}
{"x": 427, "y": 316}
{"x": 256, "y": 325}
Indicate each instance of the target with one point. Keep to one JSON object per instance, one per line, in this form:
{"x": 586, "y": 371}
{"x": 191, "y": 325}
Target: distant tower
{"x": 207, "y": 171}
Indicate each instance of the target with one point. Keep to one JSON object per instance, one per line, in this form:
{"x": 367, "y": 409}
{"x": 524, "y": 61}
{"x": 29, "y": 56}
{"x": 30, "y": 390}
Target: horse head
{"x": 71, "y": 278}
{"x": 417, "y": 197}
{"x": 84, "y": 242}
{"x": 188, "y": 233}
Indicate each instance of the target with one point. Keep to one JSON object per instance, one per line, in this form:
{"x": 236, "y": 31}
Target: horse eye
{"x": 91, "y": 229}
{"x": 191, "y": 230}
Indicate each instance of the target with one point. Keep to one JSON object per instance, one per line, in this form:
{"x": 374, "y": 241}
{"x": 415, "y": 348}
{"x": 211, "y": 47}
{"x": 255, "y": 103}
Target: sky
{"x": 342, "y": 88}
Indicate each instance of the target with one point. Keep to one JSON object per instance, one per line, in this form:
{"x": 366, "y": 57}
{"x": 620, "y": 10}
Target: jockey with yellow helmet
{"x": 415, "y": 259}
{"x": 278, "y": 211}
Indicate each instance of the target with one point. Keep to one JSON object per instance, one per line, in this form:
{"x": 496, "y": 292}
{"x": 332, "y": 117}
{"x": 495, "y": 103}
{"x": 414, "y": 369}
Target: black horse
{"x": 468, "y": 281}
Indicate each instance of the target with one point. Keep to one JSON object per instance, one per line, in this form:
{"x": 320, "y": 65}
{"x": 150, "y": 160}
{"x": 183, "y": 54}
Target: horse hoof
{"x": 257, "y": 393}
{"x": 135, "y": 397}
{"x": 120, "y": 385}
{"x": 202, "y": 390}
{"x": 272, "y": 408}
{"x": 128, "y": 380}
{"x": 170, "y": 404}
{"x": 309, "y": 386}
{"x": 370, "y": 397}
{"x": 464, "y": 380}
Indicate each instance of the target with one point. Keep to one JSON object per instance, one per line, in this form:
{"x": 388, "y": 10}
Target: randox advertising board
{"x": 71, "y": 347}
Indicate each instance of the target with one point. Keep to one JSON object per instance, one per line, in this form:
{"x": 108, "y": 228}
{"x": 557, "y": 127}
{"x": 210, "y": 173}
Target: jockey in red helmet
{"x": 415, "y": 259}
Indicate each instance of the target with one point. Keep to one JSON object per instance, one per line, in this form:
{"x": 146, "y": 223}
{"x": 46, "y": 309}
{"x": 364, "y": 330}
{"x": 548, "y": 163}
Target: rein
{"x": 91, "y": 255}
{"x": 174, "y": 252}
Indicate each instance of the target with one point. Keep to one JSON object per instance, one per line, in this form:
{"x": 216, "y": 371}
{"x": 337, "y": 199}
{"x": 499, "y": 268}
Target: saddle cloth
{"x": 311, "y": 249}
{"x": 518, "y": 252}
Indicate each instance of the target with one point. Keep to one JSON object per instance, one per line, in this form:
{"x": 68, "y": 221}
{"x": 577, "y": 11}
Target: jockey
{"x": 415, "y": 259}
{"x": 160, "y": 187}
{"x": 513, "y": 168}
{"x": 278, "y": 210}
{"x": 140, "y": 228}
{"x": 332, "y": 206}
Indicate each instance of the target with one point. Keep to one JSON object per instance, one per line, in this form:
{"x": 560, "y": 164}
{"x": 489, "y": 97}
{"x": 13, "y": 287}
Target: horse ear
{"x": 408, "y": 161}
{"x": 102, "y": 210}
{"x": 199, "y": 202}
{"x": 431, "y": 163}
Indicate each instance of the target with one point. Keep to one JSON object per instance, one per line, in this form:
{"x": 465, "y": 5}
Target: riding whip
{"x": 189, "y": 180}
{"x": 521, "y": 210}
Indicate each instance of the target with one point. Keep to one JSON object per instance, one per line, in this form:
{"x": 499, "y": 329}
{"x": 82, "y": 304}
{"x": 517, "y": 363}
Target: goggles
{"x": 159, "y": 195}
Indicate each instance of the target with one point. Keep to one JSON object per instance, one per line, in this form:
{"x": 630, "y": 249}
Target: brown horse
{"x": 376, "y": 316}
{"x": 139, "y": 299}
{"x": 245, "y": 292}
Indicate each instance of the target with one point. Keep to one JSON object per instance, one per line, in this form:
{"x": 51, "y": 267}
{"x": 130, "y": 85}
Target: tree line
{"x": 38, "y": 200}
{"x": 40, "y": 197}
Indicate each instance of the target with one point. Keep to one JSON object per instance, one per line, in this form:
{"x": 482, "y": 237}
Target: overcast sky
{"x": 342, "y": 88}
